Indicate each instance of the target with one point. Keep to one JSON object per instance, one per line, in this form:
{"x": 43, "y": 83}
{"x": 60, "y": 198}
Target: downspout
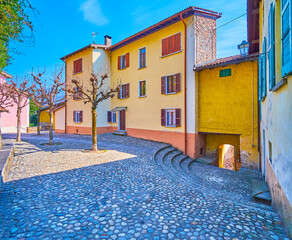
{"x": 185, "y": 83}
{"x": 65, "y": 95}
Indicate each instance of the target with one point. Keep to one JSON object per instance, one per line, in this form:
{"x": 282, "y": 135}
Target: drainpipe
{"x": 65, "y": 95}
{"x": 185, "y": 82}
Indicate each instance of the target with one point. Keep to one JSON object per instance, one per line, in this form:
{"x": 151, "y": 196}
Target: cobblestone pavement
{"x": 126, "y": 197}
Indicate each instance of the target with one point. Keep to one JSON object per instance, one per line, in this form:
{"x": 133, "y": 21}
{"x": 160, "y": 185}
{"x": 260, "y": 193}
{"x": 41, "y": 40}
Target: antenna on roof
{"x": 93, "y": 35}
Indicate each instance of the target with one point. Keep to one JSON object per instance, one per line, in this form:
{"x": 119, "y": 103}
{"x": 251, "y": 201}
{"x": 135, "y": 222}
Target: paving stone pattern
{"x": 132, "y": 198}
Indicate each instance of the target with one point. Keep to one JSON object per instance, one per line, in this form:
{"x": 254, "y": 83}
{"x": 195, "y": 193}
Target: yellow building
{"x": 275, "y": 96}
{"x": 228, "y": 110}
{"x": 79, "y": 65}
{"x": 155, "y": 69}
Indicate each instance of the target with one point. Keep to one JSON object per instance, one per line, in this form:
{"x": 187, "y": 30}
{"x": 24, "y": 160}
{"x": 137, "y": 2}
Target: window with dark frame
{"x": 142, "y": 88}
{"x": 124, "y": 91}
{"x": 142, "y": 57}
{"x": 270, "y": 152}
{"x": 170, "y": 84}
{"x": 114, "y": 117}
{"x": 123, "y": 61}
{"x": 77, "y": 66}
{"x": 170, "y": 118}
{"x": 78, "y": 116}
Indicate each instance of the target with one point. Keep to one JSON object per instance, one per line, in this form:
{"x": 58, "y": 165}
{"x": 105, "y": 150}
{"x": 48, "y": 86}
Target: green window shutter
{"x": 264, "y": 73}
{"x": 260, "y": 76}
{"x": 272, "y": 47}
{"x": 286, "y": 37}
{"x": 225, "y": 72}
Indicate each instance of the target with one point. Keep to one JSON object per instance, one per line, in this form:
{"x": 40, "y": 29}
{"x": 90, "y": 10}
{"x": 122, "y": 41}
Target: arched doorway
{"x": 228, "y": 157}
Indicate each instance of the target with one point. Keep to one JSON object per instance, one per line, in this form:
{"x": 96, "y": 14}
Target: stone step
{"x": 167, "y": 161}
{"x": 261, "y": 192}
{"x": 159, "y": 155}
{"x": 205, "y": 160}
{"x": 120, "y": 133}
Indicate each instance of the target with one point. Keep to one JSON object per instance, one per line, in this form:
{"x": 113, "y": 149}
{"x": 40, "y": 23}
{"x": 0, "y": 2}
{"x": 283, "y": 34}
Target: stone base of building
{"x": 279, "y": 199}
{"x": 87, "y": 130}
{"x": 59, "y": 131}
{"x": 13, "y": 129}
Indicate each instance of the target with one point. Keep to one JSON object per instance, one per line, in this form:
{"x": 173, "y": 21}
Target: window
{"x": 142, "y": 57}
{"x": 124, "y": 61}
{"x": 271, "y": 47}
{"x": 286, "y": 37}
{"x": 171, "y": 44}
{"x": 77, "y": 68}
{"x": 111, "y": 117}
{"x": 142, "y": 88}
{"x": 171, "y": 117}
{"x": 77, "y": 95}
{"x": 225, "y": 72}
{"x": 270, "y": 152}
{"x": 171, "y": 84}
{"x": 78, "y": 116}
{"x": 124, "y": 91}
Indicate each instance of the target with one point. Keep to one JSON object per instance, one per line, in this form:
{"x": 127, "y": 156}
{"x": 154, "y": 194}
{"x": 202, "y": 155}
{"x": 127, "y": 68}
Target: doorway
{"x": 228, "y": 157}
{"x": 122, "y": 120}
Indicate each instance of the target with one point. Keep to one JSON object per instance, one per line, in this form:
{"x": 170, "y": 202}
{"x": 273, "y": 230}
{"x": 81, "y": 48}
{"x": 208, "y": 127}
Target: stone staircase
{"x": 215, "y": 182}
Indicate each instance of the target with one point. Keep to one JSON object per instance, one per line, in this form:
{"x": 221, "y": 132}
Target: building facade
{"x": 275, "y": 97}
{"x": 79, "y": 65}
{"x": 157, "y": 100}
{"x": 228, "y": 110}
{"x": 9, "y": 119}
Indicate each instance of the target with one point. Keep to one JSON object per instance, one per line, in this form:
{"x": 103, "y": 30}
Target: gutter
{"x": 185, "y": 83}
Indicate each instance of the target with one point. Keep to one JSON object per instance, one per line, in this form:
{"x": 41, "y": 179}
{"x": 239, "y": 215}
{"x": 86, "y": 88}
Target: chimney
{"x": 107, "y": 40}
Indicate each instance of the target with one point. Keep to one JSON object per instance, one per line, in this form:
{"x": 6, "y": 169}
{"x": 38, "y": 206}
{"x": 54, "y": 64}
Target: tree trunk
{"x": 18, "y": 115}
{"x": 94, "y": 136}
{"x": 51, "y": 127}
{"x": 38, "y": 121}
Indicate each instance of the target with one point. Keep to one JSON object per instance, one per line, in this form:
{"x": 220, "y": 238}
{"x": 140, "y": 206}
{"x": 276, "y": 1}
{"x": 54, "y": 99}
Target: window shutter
{"x": 119, "y": 62}
{"x": 74, "y": 116}
{"x": 177, "y": 82}
{"x": 80, "y": 94}
{"x": 109, "y": 116}
{"x": 81, "y": 116}
{"x": 163, "y": 85}
{"x": 264, "y": 73}
{"x": 127, "y": 59}
{"x": 272, "y": 47}
{"x": 80, "y": 65}
{"x": 164, "y": 47}
{"x": 286, "y": 37}
{"x": 74, "y": 67}
{"x": 170, "y": 44}
{"x": 128, "y": 90}
{"x": 177, "y": 117}
{"x": 162, "y": 117}
{"x": 177, "y": 42}
{"x": 119, "y": 92}
{"x": 260, "y": 76}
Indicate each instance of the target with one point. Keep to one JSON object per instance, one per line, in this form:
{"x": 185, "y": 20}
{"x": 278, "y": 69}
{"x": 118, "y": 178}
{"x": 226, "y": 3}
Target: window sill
{"x": 280, "y": 84}
{"x": 123, "y": 68}
{"x": 171, "y": 126}
{"x": 171, "y": 54}
{"x": 140, "y": 68}
{"x": 142, "y": 96}
{"x": 77, "y": 73}
{"x": 171, "y": 93}
{"x": 122, "y": 98}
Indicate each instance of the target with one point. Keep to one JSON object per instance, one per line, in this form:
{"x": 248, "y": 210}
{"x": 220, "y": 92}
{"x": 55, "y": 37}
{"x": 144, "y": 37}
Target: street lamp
{"x": 243, "y": 48}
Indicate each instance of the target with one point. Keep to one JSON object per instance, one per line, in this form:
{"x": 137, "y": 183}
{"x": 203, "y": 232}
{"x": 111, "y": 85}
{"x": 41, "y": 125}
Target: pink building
{"x": 8, "y": 121}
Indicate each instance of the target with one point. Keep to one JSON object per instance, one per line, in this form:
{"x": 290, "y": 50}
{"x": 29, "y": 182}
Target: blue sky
{"x": 64, "y": 26}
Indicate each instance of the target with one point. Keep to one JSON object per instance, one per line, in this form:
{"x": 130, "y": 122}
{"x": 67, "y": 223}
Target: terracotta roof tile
{"x": 225, "y": 61}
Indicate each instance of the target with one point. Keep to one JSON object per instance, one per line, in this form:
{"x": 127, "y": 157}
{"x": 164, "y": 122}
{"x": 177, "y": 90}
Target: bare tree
{"x": 96, "y": 92}
{"x": 20, "y": 92}
{"x": 48, "y": 95}
{"x": 5, "y": 102}
{"x": 39, "y": 102}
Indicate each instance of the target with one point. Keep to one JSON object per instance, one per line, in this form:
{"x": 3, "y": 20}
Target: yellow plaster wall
{"x": 215, "y": 140}
{"x": 228, "y": 105}
{"x": 77, "y": 105}
{"x": 145, "y": 113}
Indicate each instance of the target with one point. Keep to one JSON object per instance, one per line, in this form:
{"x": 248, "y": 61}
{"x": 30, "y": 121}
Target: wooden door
{"x": 122, "y": 120}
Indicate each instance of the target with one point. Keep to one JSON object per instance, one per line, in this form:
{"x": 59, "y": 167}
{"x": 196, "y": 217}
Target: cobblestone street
{"x": 58, "y": 192}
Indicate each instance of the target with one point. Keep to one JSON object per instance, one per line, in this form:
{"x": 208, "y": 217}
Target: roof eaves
{"x": 223, "y": 63}
{"x": 164, "y": 23}
{"x": 94, "y": 46}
